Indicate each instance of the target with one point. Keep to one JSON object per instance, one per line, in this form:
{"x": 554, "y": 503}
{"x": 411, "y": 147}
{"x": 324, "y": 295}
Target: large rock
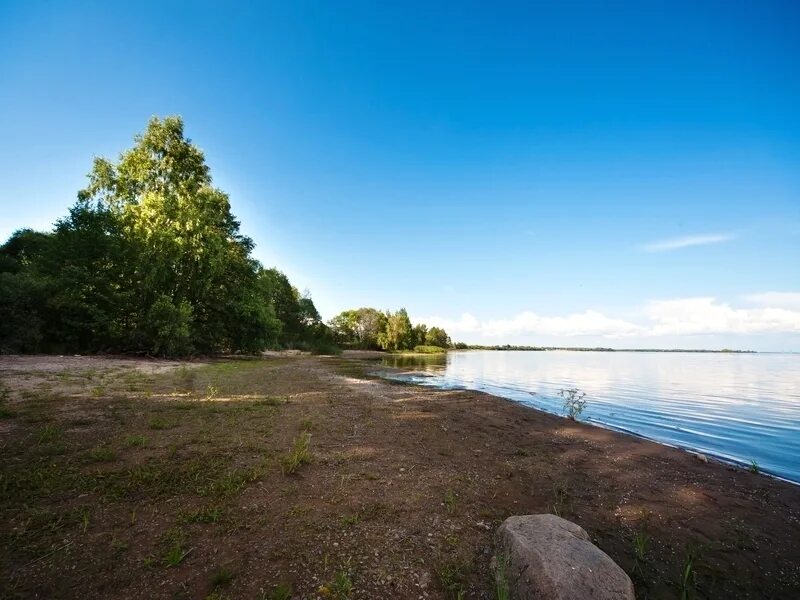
{"x": 549, "y": 558}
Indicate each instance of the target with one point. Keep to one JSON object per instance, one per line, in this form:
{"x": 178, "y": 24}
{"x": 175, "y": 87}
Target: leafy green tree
{"x": 398, "y": 334}
{"x": 187, "y": 244}
{"x": 359, "y": 327}
{"x": 418, "y": 334}
{"x": 150, "y": 259}
{"x": 436, "y": 336}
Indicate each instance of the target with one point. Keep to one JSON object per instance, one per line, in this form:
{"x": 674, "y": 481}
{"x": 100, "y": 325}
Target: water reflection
{"x": 739, "y": 407}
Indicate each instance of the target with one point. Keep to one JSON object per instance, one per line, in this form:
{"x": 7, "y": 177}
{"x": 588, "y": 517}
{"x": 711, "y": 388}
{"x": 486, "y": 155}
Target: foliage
{"x": 429, "y": 349}
{"x": 437, "y": 336}
{"x": 149, "y": 260}
{"x": 574, "y": 402}
{"x": 368, "y": 328}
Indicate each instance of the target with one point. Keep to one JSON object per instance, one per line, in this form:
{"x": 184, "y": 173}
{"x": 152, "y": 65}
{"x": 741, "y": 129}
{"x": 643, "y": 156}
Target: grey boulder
{"x": 545, "y": 557}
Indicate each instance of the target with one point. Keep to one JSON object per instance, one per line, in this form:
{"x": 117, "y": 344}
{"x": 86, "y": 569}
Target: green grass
{"x": 49, "y": 433}
{"x": 640, "y": 543}
{"x": 222, "y": 576}
{"x": 340, "y": 587}
{"x": 279, "y": 592}
{"x": 136, "y": 441}
{"x": 429, "y": 350}
{"x": 161, "y": 423}
{"x": 450, "y": 501}
{"x": 500, "y": 567}
{"x": 452, "y": 577}
{"x": 102, "y": 454}
{"x": 754, "y": 468}
{"x": 210, "y": 514}
{"x": 299, "y": 455}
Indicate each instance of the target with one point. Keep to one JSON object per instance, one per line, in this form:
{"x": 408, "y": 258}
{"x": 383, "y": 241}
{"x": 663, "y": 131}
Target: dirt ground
{"x": 305, "y": 477}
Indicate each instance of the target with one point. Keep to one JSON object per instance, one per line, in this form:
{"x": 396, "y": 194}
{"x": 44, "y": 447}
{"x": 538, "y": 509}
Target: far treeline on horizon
{"x": 150, "y": 260}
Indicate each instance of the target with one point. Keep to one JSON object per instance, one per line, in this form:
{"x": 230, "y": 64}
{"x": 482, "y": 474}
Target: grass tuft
{"x": 299, "y": 455}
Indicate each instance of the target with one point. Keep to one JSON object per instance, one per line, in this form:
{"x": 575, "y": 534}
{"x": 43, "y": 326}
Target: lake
{"x": 736, "y": 407}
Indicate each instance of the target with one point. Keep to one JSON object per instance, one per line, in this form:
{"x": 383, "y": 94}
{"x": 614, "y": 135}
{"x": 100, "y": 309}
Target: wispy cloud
{"x": 687, "y": 241}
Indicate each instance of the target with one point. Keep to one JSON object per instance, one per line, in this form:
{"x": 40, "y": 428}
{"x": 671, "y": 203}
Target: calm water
{"x": 738, "y": 407}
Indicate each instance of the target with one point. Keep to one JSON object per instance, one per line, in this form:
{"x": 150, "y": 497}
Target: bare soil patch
{"x": 121, "y": 480}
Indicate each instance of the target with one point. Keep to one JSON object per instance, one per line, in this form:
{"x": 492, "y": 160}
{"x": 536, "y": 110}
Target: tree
{"x": 359, "y": 327}
{"x": 187, "y": 245}
{"x": 150, "y": 259}
{"x": 398, "y": 334}
{"x": 437, "y": 336}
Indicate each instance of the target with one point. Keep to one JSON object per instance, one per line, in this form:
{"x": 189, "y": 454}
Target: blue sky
{"x": 610, "y": 173}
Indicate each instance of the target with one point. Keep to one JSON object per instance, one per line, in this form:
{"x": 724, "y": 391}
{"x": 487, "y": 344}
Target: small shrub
{"x": 299, "y": 455}
{"x": 754, "y": 468}
{"x": 574, "y": 402}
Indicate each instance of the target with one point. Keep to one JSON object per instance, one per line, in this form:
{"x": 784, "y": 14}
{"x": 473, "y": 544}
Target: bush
{"x": 430, "y": 349}
{"x": 574, "y": 402}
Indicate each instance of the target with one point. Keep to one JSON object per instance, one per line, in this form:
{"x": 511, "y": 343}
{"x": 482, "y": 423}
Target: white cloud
{"x": 779, "y": 299}
{"x": 466, "y": 324}
{"x": 687, "y": 241}
{"x": 675, "y": 317}
{"x": 589, "y": 322}
{"x": 690, "y": 316}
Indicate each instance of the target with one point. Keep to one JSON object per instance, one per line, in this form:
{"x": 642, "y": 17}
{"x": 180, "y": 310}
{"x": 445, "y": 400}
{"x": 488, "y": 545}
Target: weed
{"x": 561, "y": 502}
{"x": 279, "y": 592}
{"x": 222, "y": 576}
{"x": 48, "y": 433}
{"x": 173, "y": 540}
{"x": 574, "y": 402}
{"x": 640, "y": 542}
{"x": 102, "y": 454}
{"x": 754, "y": 468}
{"x": 161, "y": 423}
{"x": 307, "y": 425}
{"x": 450, "y": 501}
{"x": 452, "y": 575}
{"x": 202, "y": 515}
{"x": 211, "y": 392}
{"x": 499, "y": 568}
{"x": 85, "y": 519}
{"x": 339, "y": 588}
{"x": 299, "y": 455}
{"x": 175, "y": 555}
{"x": 688, "y": 580}
{"x": 349, "y": 520}
{"x": 136, "y": 441}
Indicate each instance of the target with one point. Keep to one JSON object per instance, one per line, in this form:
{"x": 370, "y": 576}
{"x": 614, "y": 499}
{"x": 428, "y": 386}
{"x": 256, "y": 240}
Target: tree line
{"x": 151, "y": 260}
{"x": 369, "y": 328}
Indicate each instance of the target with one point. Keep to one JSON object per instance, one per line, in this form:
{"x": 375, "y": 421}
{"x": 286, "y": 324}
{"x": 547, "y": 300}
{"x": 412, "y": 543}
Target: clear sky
{"x": 609, "y": 173}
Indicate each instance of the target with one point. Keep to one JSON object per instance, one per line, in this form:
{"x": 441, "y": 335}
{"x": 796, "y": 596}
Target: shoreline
{"x": 401, "y": 372}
